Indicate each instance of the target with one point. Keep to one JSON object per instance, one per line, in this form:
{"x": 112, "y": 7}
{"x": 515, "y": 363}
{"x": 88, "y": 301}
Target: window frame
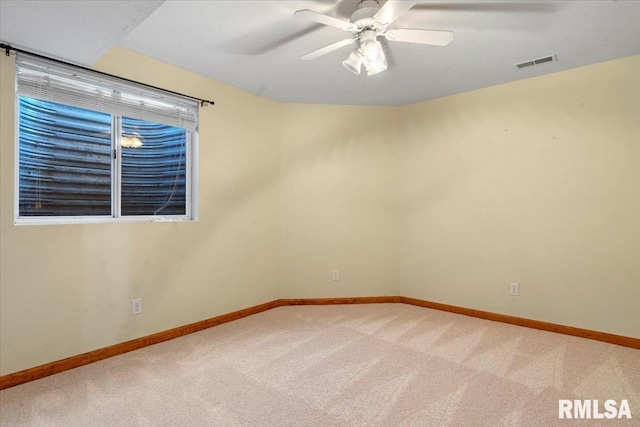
{"x": 191, "y": 182}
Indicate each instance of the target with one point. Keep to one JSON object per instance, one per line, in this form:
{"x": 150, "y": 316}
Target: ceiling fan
{"x": 367, "y": 23}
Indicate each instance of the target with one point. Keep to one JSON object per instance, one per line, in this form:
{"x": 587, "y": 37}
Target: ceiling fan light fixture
{"x": 371, "y": 51}
{"x": 354, "y": 62}
{"x": 376, "y": 67}
{"x": 374, "y": 58}
{"x": 371, "y": 48}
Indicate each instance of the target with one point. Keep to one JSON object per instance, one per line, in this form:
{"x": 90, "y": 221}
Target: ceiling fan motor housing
{"x": 363, "y": 16}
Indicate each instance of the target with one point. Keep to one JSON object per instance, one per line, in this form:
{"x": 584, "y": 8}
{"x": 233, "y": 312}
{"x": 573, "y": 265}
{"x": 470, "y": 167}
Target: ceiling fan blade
{"x": 392, "y": 10}
{"x": 432, "y": 37}
{"x": 324, "y": 19}
{"x": 327, "y": 49}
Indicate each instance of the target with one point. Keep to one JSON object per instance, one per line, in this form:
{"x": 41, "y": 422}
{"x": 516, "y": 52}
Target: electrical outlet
{"x": 136, "y": 306}
{"x": 514, "y": 289}
{"x": 335, "y": 275}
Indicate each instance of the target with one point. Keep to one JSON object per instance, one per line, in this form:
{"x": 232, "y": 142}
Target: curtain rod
{"x": 8, "y": 48}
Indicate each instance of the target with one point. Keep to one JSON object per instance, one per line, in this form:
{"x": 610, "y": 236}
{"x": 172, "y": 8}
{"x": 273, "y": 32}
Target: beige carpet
{"x": 359, "y": 365}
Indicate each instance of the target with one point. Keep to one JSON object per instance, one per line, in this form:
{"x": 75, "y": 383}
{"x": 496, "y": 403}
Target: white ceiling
{"x": 256, "y": 45}
{"x": 75, "y": 31}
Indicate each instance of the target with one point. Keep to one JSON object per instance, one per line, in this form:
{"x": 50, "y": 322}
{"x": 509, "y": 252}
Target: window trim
{"x": 191, "y": 183}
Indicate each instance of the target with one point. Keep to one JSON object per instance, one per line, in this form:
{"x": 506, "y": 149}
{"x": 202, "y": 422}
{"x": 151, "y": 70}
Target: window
{"x": 94, "y": 149}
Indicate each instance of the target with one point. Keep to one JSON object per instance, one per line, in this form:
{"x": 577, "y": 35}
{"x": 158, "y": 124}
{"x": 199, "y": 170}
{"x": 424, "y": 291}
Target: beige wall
{"x": 67, "y": 289}
{"x": 535, "y": 182}
{"x": 339, "y": 167}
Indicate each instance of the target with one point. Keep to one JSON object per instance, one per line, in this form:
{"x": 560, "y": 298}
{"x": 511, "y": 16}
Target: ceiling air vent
{"x": 536, "y": 61}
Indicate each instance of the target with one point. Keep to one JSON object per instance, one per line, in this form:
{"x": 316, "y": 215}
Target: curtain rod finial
{"x": 7, "y": 48}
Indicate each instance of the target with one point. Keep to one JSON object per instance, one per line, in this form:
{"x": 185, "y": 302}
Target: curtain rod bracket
{"x": 8, "y": 48}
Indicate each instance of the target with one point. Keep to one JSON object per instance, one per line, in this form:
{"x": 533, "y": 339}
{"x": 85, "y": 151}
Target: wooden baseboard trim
{"x": 528, "y": 323}
{"x": 52, "y": 368}
{"x": 331, "y": 301}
